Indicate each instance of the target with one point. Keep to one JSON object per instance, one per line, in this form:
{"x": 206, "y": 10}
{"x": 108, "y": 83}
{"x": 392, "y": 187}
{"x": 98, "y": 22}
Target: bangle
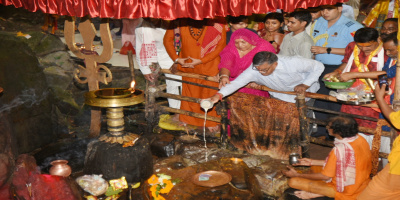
{"x": 223, "y": 75}
{"x": 176, "y": 60}
{"x": 220, "y": 96}
{"x": 338, "y": 71}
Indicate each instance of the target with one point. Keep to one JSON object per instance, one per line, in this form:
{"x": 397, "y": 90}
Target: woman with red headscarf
{"x": 238, "y": 56}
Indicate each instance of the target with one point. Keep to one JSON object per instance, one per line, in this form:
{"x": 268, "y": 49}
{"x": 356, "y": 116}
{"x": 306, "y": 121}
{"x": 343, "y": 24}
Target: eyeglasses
{"x": 262, "y": 71}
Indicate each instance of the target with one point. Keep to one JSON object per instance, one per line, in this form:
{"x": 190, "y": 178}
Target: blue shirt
{"x": 290, "y": 72}
{"x": 340, "y": 35}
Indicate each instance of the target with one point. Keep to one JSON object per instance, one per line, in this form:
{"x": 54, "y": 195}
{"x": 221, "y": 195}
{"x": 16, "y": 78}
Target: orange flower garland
{"x": 160, "y": 184}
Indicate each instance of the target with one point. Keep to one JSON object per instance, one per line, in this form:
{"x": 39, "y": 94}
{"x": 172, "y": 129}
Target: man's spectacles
{"x": 262, "y": 71}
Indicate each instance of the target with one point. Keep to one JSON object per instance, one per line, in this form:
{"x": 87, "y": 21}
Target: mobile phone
{"x": 383, "y": 79}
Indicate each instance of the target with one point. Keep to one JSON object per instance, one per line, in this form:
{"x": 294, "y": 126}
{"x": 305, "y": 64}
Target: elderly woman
{"x": 346, "y": 170}
{"x": 238, "y": 56}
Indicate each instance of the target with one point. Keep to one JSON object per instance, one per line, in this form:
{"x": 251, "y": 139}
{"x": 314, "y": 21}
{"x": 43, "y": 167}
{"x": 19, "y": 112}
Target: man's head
{"x": 342, "y": 126}
{"x": 366, "y": 39}
{"x": 298, "y": 21}
{"x": 265, "y": 62}
{"x": 315, "y": 12}
{"x": 331, "y": 12}
{"x": 390, "y": 25}
{"x": 390, "y": 45}
{"x": 238, "y": 22}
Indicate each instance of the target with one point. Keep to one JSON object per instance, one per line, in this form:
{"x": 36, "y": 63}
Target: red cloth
{"x": 359, "y": 110}
{"x": 231, "y": 60}
{"x": 169, "y": 9}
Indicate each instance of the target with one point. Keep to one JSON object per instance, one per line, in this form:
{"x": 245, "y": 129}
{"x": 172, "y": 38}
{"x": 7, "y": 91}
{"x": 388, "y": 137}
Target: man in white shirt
{"x": 298, "y": 42}
{"x": 279, "y": 73}
{"x": 150, "y": 51}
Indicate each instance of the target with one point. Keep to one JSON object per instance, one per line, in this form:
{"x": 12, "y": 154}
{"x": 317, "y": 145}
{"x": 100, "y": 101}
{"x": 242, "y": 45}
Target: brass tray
{"x": 216, "y": 178}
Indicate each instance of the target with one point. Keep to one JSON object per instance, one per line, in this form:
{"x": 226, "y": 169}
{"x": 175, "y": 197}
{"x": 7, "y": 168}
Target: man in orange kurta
{"x": 201, "y": 43}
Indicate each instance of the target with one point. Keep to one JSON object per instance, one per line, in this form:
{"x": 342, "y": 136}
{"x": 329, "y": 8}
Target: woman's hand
{"x": 304, "y": 162}
{"x": 223, "y": 81}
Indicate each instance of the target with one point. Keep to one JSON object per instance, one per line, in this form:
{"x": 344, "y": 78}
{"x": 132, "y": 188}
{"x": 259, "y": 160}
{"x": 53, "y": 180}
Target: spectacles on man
{"x": 258, "y": 69}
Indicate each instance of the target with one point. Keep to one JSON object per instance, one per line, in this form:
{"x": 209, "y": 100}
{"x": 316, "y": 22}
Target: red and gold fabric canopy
{"x": 165, "y": 9}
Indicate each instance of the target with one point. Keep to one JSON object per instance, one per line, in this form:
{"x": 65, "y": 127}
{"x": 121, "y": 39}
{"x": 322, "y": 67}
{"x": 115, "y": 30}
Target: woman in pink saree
{"x": 238, "y": 56}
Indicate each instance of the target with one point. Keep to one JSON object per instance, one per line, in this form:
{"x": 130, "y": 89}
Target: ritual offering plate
{"x": 354, "y": 99}
{"x": 113, "y": 93}
{"x": 329, "y": 83}
{"x": 211, "y": 178}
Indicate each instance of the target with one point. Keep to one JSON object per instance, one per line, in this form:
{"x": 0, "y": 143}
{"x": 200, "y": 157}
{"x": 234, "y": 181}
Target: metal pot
{"x": 60, "y": 168}
{"x": 294, "y": 158}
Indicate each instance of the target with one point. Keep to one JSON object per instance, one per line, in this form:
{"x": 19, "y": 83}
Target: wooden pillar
{"x": 304, "y": 125}
{"x": 90, "y": 73}
{"x": 224, "y": 123}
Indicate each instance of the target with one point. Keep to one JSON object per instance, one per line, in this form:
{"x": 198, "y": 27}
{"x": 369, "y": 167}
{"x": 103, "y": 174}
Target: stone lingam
{"x": 118, "y": 153}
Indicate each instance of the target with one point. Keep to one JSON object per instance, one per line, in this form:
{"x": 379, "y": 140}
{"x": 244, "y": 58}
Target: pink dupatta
{"x": 231, "y": 60}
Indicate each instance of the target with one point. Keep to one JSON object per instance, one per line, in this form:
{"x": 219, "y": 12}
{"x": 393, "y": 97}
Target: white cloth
{"x": 290, "y": 72}
{"x": 156, "y": 36}
{"x": 299, "y": 44}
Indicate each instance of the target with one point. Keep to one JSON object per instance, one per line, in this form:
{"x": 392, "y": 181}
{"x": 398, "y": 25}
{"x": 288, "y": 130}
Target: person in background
{"x": 346, "y": 169}
{"x": 389, "y": 26}
{"x": 297, "y": 42}
{"x": 128, "y": 35}
{"x": 151, "y": 52}
{"x": 237, "y": 23}
{"x": 331, "y": 34}
{"x": 199, "y": 44}
{"x": 315, "y": 14}
{"x": 386, "y": 184}
{"x": 273, "y": 29}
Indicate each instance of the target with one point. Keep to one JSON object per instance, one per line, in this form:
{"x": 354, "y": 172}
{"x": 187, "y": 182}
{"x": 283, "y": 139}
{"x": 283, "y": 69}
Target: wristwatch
{"x": 328, "y": 50}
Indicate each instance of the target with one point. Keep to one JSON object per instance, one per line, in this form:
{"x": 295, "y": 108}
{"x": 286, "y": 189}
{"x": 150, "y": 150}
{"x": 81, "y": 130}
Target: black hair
{"x": 391, "y": 20}
{"x": 238, "y": 19}
{"x": 343, "y": 126}
{"x": 274, "y": 15}
{"x": 366, "y": 34}
{"x": 391, "y": 37}
{"x": 337, "y": 5}
{"x": 264, "y": 57}
{"x": 313, "y": 9}
{"x": 302, "y": 16}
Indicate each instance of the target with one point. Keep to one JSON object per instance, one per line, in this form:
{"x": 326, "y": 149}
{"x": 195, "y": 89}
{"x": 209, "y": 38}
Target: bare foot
{"x": 306, "y": 195}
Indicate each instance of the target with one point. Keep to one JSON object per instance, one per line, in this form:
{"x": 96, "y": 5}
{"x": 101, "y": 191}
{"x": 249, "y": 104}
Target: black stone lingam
{"x": 118, "y": 153}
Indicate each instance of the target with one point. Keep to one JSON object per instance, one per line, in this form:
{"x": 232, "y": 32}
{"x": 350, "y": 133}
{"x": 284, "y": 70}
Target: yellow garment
{"x": 380, "y": 8}
{"x": 394, "y": 156}
{"x": 395, "y": 119}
